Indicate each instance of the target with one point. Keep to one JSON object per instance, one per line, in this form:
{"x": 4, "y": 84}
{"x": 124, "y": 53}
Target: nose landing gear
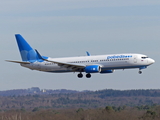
{"x": 140, "y": 72}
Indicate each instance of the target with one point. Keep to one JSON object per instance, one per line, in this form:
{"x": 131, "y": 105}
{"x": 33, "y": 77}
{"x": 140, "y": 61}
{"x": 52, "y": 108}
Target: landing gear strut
{"x": 80, "y": 75}
{"x": 88, "y": 75}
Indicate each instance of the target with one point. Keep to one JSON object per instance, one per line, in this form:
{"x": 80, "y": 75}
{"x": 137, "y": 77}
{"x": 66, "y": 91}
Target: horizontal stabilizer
{"x": 18, "y": 62}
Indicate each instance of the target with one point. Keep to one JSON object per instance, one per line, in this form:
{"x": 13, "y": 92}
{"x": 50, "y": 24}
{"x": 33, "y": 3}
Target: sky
{"x": 64, "y": 28}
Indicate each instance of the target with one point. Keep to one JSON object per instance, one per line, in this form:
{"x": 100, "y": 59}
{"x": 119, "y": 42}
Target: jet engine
{"x": 92, "y": 69}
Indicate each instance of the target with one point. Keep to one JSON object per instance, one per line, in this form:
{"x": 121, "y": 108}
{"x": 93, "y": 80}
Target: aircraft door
{"x": 135, "y": 59}
{"x": 37, "y": 66}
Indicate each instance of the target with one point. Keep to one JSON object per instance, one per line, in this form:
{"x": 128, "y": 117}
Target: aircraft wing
{"x": 72, "y": 66}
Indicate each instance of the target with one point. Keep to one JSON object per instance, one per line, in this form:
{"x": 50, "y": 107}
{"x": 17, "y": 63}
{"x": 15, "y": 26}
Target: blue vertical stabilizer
{"x": 26, "y": 51}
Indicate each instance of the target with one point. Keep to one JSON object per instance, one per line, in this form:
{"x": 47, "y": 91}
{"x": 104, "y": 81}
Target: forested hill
{"x": 100, "y": 93}
{"x": 128, "y": 93}
{"x": 44, "y": 99}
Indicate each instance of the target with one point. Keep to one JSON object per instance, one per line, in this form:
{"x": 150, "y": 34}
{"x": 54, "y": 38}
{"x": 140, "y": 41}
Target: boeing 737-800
{"x": 89, "y": 64}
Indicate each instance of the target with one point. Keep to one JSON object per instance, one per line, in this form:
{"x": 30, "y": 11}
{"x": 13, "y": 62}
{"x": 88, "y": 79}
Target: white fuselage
{"x": 106, "y": 62}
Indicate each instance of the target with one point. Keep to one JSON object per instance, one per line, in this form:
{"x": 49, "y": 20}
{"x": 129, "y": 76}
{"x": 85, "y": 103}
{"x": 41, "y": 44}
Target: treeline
{"x": 101, "y": 93}
{"x": 88, "y": 99}
{"x": 106, "y": 113}
{"x": 33, "y": 91}
{"x": 128, "y": 93}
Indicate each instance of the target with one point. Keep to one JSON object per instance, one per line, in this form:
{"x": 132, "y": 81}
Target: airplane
{"x": 89, "y": 64}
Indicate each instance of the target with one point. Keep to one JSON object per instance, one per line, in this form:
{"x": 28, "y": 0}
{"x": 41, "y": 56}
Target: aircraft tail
{"x": 26, "y": 51}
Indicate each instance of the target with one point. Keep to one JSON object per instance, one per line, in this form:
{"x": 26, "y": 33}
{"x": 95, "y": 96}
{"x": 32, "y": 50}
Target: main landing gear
{"x": 88, "y": 75}
{"x": 80, "y": 75}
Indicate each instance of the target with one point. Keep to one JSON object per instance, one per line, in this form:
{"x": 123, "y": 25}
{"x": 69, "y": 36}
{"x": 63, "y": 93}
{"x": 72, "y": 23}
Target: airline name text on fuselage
{"x": 119, "y": 56}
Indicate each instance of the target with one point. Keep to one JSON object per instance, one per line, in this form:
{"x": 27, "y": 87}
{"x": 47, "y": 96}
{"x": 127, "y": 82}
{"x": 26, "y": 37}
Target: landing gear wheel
{"x": 88, "y": 75}
{"x": 140, "y": 72}
{"x": 80, "y": 75}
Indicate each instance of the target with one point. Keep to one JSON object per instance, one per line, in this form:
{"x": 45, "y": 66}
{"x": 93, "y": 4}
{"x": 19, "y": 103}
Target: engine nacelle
{"x": 107, "y": 71}
{"x": 92, "y": 69}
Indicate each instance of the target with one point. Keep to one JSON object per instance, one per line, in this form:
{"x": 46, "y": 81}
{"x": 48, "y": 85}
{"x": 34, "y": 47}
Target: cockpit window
{"x": 144, "y": 57}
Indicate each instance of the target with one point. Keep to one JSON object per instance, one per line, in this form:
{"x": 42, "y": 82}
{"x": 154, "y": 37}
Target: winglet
{"x": 88, "y": 54}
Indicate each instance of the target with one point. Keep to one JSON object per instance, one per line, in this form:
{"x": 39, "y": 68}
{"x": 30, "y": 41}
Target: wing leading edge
{"x": 72, "y": 66}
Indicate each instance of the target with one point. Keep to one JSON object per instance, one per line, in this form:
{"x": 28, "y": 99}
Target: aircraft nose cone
{"x": 152, "y": 61}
